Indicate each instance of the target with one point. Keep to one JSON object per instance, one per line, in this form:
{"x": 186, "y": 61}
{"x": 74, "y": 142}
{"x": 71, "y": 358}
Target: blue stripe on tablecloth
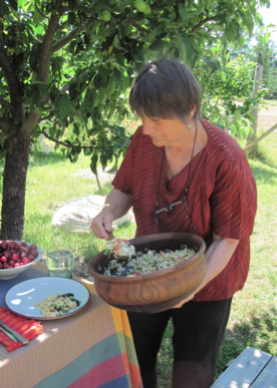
{"x": 5, "y": 285}
{"x": 104, "y": 350}
{"x": 121, "y": 382}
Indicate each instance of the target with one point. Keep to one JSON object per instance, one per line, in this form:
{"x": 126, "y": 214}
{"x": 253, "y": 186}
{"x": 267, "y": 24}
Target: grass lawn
{"x": 52, "y": 181}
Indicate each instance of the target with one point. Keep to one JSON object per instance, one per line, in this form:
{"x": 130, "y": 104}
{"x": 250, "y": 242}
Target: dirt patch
{"x": 102, "y": 174}
{"x": 267, "y": 117}
{"x": 81, "y": 269}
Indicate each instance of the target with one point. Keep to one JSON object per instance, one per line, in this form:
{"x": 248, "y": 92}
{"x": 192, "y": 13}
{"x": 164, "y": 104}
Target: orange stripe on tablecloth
{"x": 121, "y": 322}
{"x": 135, "y": 376}
{"x": 126, "y": 362}
{"x": 125, "y": 324}
{"x": 116, "y": 314}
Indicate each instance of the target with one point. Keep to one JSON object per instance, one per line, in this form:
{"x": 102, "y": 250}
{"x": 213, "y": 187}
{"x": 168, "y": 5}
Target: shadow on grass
{"x": 257, "y": 332}
{"x": 263, "y": 175}
{"x": 43, "y": 159}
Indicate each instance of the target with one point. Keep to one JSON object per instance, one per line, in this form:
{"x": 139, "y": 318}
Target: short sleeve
{"x": 123, "y": 178}
{"x": 234, "y": 200}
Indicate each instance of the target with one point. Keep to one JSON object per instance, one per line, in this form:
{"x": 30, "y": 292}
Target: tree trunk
{"x": 14, "y": 186}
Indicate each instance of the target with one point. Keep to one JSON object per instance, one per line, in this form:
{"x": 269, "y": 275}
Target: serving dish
{"x": 7, "y": 274}
{"x": 156, "y": 291}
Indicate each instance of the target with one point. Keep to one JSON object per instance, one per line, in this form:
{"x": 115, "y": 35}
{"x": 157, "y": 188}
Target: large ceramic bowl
{"x": 157, "y": 291}
{"x": 6, "y": 274}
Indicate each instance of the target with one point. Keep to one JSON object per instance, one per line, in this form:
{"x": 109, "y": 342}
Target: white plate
{"x": 7, "y": 274}
{"x": 20, "y": 298}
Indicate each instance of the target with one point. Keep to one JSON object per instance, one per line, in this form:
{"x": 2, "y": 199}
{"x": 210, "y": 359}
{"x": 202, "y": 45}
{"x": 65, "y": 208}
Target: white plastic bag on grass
{"x": 76, "y": 215}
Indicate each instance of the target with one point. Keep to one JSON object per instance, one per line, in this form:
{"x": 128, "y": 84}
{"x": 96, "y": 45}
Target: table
{"x": 93, "y": 348}
{"x": 252, "y": 368}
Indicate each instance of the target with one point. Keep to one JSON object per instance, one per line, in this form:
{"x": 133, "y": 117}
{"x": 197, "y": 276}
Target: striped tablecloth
{"x": 93, "y": 348}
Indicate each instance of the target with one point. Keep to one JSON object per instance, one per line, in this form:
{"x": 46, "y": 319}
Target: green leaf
{"x": 93, "y": 162}
{"x": 157, "y": 45}
{"x": 186, "y": 42}
{"x": 64, "y": 106}
{"x": 76, "y": 129}
{"x": 71, "y": 17}
{"x": 213, "y": 64}
{"x": 182, "y": 12}
{"x": 266, "y": 37}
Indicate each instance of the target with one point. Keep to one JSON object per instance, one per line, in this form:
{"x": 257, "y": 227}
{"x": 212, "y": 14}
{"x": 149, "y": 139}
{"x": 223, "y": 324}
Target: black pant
{"x": 198, "y": 331}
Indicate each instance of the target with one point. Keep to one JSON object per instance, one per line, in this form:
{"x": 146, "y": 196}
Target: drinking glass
{"x": 59, "y": 262}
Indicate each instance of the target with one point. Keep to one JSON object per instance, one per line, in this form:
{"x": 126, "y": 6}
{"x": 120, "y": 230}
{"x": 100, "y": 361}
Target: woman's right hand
{"x": 101, "y": 225}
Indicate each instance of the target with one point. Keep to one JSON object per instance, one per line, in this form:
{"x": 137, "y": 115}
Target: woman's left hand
{"x": 218, "y": 255}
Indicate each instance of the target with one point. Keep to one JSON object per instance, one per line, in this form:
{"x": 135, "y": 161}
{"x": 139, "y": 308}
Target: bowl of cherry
{"x": 17, "y": 257}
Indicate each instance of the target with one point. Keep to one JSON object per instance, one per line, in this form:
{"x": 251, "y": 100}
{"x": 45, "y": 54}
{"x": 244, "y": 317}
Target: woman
{"x": 183, "y": 174}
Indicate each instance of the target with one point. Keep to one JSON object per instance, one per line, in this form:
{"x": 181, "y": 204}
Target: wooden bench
{"x": 252, "y": 368}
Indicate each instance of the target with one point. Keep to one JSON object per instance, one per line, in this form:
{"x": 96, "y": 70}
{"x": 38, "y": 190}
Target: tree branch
{"x": 39, "y": 11}
{"x": 5, "y": 125}
{"x": 68, "y": 145}
{"x": 61, "y": 43}
{"x": 266, "y": 133}
{"x": 30, "y": 122}
{"x": 7, "y": 104}
{"x": 204, "y": 21}
{"x": 76, "y": 7}
{"x": 73, "y": 34}
{"x": 46, "y": 48}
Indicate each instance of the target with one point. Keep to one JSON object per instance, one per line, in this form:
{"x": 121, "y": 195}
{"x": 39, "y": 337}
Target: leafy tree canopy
{"x": 65, "y": 66}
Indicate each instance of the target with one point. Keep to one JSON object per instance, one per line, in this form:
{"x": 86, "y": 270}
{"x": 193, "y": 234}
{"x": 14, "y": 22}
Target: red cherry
{"x": 5, "y": 266}
{"x": 25, "y": 260}
{"x": 24, "y": 244}
{"x": 23, "y": 254}
{"x": 3, "y": 259}
{"x": 33, "y": 252}
{"x": 15, "y": 257}
{"x": 1, "y": 266}
{"x": 31, "y": 257}
{"x": 16, "y": 265}
{"x": 6, "y": 253}
{"x": 12, "y": 251}
{"x": 12, "y": 263}
{"x": 17, "y": 247}
{"x": 11, "y": 244}
{"x": 4, "y": 244}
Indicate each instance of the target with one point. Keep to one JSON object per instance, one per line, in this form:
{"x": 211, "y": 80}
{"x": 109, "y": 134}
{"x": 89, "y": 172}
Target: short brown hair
{"x": 165, "y": 89}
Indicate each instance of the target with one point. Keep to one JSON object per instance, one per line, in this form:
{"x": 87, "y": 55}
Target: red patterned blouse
{"x": 222, "y": 199}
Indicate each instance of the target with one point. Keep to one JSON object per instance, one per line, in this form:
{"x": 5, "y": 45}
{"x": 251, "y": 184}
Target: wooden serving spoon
{"x": 126, "y": 269}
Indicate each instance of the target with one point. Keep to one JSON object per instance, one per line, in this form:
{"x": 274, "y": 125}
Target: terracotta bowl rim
{"x": 153, "y": 275}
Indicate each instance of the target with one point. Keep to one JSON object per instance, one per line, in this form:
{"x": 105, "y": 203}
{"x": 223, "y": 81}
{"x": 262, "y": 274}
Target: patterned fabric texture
{"x": 25, "y": 327}
{"x": 222, "y": 199}
{"x": 93, "y": 348}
